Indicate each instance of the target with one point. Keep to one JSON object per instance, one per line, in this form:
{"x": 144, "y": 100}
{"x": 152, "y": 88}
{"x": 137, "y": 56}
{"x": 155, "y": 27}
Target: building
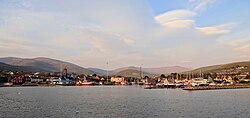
{"x": 117, "y": 79}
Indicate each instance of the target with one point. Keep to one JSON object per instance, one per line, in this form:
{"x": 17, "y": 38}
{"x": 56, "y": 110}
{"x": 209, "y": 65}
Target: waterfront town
{"x": 235, "y": 78}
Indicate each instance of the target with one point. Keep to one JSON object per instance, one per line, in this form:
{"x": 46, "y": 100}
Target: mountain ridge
{"x": 155, "y": 70}
{"x": 44, "y": 64}
{"x": 224, "y": 67}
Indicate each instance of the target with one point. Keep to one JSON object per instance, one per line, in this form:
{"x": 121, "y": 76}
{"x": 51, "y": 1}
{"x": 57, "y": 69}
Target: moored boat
{"x": 7, "y": 84}
{"x": 169, "y": 85}
{"x": 147, "y": 84}
{"x": 84, "y": 83}
{"x": 29, "y": 84}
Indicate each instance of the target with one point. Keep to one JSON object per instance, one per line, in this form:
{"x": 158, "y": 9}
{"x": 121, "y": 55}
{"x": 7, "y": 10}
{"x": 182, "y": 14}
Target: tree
{"x": 162, "y": 76}
{"x": 94, "y": 75}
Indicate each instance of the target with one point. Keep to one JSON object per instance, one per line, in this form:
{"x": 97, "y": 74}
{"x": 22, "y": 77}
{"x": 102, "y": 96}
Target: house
{"x": 17, "y": 80}
{"x": 36, "y": 80}
{"x": 117, "y": 79}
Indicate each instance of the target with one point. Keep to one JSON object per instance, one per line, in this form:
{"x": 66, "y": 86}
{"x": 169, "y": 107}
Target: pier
{"x": 192, "y": 88}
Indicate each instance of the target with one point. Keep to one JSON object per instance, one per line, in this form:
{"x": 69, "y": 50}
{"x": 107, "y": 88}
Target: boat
{"x": 199, "y": 82}
{"x": 150, "y": 87}
{"x": 169, "y": 85}
{"x": 29, "y": 84}
{"x": 181, "y": 85}
{"x": 212, "y": 84}
{"x": 121, "y": 83}
{"x": 147, "y": 84}
{"x": 7, "y": 84}
{"x": 65, "y": 81}
{"x": 160, "y": 85}
{"x": 85, "y": 83}
{"x": 140, "y": 83}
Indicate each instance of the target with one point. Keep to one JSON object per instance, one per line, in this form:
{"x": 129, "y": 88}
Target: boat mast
{"x": 107, "y": 71}
{"x": 141, "y": 70}
{"x": 177, "y": 77}
{"x": 200, "y": 74}
{"x": 61, "y": 70}
{"x": 141, "y": 73}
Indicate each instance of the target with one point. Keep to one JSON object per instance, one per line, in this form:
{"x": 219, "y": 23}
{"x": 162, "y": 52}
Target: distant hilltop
{"x": 42, "y": 64}
{"x": 135, "y": 71}
{"x": 230, "y": 67}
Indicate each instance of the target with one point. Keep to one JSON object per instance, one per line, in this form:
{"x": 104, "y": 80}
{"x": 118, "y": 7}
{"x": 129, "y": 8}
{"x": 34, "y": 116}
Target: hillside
{"x": 7, "y": 67}
{"x": 100, "y": 71}
{"x": 236, "y": 66}
{"x": 159, "y": 70}
{"x": 131, "y": 73}
{"x": 44, "y": 65}
{"x": 166, "y": 70}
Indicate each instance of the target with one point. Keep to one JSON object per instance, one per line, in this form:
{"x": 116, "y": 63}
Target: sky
{"x": 152, "y": 33}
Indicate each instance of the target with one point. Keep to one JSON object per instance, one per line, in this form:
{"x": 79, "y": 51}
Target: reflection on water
{"x": 130, "y": 101}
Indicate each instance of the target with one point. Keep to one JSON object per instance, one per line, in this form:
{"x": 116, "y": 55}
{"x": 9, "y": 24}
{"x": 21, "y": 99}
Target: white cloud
{"x": 180, "y": 24}
{"x": 174, "y": 15}
{"x": 129, "y": 41}
{"x": 245, "y": 48}
{"x": 89, "y": 33}
{"x": 201, "y": 5}
{"x": 184, "y": 19}
{"x": 213, "y": 30}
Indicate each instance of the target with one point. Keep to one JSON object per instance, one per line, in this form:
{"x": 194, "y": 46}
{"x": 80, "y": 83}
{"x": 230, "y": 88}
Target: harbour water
{"x": 122, "y": 101}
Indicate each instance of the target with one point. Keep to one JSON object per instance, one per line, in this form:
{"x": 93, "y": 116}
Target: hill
{"x": 166, "y": 70}
{"x": 236, "y": 66}
{"x": 43, "y": 65}
{"x": 8, "y": 67}
{"x": 159, "y": 70}
{"x": 131, "y": 73}
{"x": 100, "y": 71}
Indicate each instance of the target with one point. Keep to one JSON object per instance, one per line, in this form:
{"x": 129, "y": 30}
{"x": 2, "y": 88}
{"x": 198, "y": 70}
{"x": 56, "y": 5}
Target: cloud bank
{"x": 90, "y": 33}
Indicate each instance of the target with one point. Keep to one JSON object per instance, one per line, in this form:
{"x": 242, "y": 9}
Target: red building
{"x": 17, "y": 80}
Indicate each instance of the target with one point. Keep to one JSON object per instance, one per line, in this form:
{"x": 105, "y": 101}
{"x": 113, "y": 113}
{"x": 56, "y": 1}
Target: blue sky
{"x": 155, "y": 33}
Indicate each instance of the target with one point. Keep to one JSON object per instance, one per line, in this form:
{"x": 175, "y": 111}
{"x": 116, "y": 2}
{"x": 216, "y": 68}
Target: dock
{"x": 193, "y": 88}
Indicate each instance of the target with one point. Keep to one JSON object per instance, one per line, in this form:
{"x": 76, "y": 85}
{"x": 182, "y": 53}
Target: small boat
{"x": 212, "y": 84}
{"x": 84, "y": 83}
{"x": 182, "y": 85}
{"x": 150, "y": 87}
{"x": 29, "y": 84}
{"x": 160, "y": 85}
{"x": 169, "y": 85}
{"x": 140, "y": 83}
{"x": 121, "y": 83}
{"x": 7, "y": 84}
{"x": 147, "y": 84}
